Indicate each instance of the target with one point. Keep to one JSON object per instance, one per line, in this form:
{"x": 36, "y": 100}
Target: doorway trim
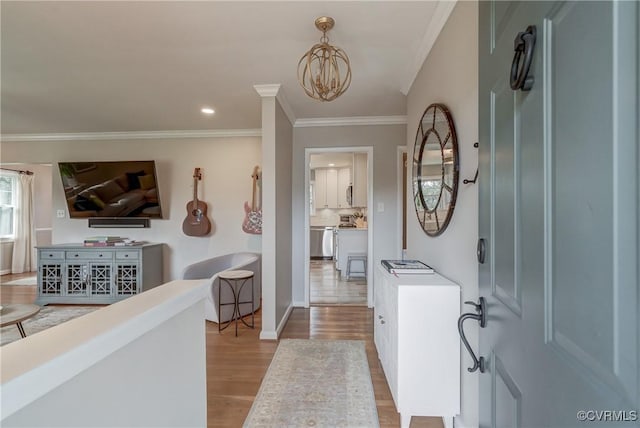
{"x": 401, "y": 151}
{"x": 370, "y": 215}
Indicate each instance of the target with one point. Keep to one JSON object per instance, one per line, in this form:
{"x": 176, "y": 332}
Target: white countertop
{"x": 420, "y": 280}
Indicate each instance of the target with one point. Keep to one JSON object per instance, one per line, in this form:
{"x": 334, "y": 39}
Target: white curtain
{"x": 24, "y": 252}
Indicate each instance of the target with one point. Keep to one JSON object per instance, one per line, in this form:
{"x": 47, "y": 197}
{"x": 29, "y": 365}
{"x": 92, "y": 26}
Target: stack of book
{"x": 109, "y": 241}
{"x": 406, "y": 267}
{"x": 102, "y": 241}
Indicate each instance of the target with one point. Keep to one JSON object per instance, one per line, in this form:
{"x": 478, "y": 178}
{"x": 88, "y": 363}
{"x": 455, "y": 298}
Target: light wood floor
{"x": 17, "y": 293}
{"x": 236, "y": 365}
{"x": 328, "y": 288}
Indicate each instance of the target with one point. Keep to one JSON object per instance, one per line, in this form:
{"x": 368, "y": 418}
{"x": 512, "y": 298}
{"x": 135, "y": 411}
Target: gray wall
{"x": 226, "y": 184}
{"x": 385, "y": 140}
{"x": 276, "y": 213}
{"x": 284, "y": 146}
{"x": 450, "y": 76}
{"x": 43, "y": 187}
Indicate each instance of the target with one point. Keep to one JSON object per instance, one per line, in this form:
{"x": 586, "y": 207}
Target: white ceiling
{"x": 112, "y": 66}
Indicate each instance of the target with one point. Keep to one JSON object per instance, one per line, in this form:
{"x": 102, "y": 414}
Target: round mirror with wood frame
{"x": 435, "y": 169}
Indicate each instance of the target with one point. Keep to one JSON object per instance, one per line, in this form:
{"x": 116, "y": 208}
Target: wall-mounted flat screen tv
{"x": 111, "y": 189}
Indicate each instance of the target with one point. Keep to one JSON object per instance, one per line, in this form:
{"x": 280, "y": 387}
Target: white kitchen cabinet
{"x": 331, "y": 187}
{"x": 416, "y": 336}
{"x": 360, "y": 178}
{"x": 344, "y": 181}
{"x": 320, "y": 188}
{"x": 325, "y": 188}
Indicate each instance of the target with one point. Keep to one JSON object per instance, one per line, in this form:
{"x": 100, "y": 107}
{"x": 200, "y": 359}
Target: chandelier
{"x": 324, "y": 71}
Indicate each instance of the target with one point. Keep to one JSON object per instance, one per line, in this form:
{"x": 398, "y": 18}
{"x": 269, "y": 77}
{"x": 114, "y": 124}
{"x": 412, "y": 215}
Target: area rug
{"x": 48, "y": 316}
{"x": 316, "y": 383}
{"x": 32, "y": 280}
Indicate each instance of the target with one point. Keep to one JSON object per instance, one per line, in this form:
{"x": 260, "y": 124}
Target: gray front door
{"x": 559, "y": 205}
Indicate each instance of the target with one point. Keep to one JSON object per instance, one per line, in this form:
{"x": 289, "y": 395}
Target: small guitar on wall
{"x": 253, "y": 215}
{"x": 196, "y": 223}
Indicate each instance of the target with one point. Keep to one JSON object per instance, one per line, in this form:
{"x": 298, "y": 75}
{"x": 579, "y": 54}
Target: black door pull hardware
{"x": 480, "y": 250}
{"x": 523, "y": 46}
{"x": 481, "y": 317}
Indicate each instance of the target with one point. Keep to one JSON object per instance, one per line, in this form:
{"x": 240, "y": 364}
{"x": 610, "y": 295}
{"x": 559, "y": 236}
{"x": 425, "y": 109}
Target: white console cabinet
{"x": 415, "y": 333}
{"x": 73, "y": 273}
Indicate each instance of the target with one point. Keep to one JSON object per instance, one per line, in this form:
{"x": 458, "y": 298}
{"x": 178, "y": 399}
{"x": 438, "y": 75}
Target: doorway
{"x": 402, "y": 202}
{"x": 338, "y": 226}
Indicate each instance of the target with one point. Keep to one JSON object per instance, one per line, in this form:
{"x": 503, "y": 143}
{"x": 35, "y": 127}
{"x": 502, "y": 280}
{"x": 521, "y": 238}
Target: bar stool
{"x": 232, "y": 278}
{"x": 356, "y": 257}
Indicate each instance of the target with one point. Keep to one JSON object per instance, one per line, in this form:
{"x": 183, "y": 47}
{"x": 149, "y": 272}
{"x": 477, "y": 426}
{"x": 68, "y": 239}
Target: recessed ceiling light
{"x": 207, "y": 110}
{"x": 332, "y": 164}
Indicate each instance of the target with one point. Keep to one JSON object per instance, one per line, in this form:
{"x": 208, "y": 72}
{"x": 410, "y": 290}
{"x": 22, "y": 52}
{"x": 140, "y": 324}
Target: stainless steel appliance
{"x": 321, "y": 242}
{"x": 346, "y": 221}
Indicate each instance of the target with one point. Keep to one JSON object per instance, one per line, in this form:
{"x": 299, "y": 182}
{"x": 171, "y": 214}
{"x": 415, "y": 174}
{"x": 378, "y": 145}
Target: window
{"x": 7, "y": 204}
{"x": 431, "y": 191}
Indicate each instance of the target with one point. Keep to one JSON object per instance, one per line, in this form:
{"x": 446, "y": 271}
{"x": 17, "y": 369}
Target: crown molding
{"x": 270, "y": 90}
{"x": 439, "y": 18}
{"x": 276, "y": 90}
{"x": 351, "y": 121}
{"x": 133, "y": 135}
{"x": 209, "y": 133}
{"x": 286, "y": 107}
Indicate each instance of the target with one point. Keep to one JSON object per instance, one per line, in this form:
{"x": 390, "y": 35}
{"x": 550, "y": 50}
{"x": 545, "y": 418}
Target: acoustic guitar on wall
{"x": 253, "y": 215}
{"x": 196, "y": 223}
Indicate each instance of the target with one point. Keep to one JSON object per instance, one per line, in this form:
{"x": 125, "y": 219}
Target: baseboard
{"x": 5, "y": 271}
{"x": 284, "y": 320}
{"x": 457, "y": 422}
{"x": 298, "y": 304}
{"x": 448, "y": 422}
{"x": 273, "y": 335}
{"x": 268, "y": 335}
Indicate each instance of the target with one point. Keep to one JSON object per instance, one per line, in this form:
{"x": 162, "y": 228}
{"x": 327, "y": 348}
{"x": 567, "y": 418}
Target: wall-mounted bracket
{"x": 475, "y": 177}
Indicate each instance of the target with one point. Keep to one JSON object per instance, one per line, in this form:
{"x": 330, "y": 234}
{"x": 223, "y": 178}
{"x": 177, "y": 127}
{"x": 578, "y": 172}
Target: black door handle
{"x": 481, "y": 317}
{"x": 480, "y": 250}
{"x": 523, "y": 46}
